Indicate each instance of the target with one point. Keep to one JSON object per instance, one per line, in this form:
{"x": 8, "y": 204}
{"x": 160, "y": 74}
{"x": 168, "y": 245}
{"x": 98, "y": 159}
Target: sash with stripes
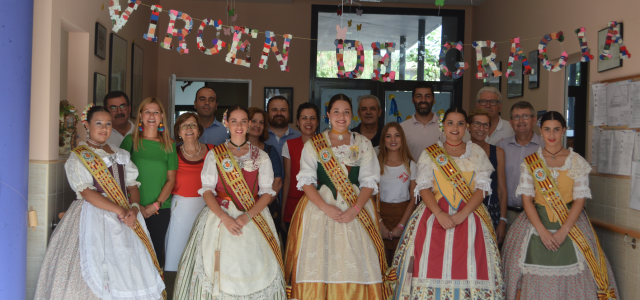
{"x": 547, "y": 186}
{"x": 452, "y": 173}
{"x": 344, "y": 187}
{"x": 232, "y": 176}
{"x": 100, "y": 172}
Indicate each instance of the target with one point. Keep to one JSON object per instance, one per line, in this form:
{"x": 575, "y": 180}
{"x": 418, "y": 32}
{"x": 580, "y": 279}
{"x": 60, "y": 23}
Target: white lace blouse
{"x": 359, "y": 152}
{"x": 473, "y": 159}
{"x": 577, "y": 166}
{"x": 80, "y": 178}
{"x": 253, "y": 160}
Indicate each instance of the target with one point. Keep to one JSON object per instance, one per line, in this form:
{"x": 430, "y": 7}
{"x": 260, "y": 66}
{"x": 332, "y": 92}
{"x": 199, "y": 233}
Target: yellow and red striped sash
{"x": 344, "y": 187}
{"x": 100, "y": 172}
{"x": 232, "y": 176}
{"x": 547, "y": 186}
{"x": 452, "y": 173}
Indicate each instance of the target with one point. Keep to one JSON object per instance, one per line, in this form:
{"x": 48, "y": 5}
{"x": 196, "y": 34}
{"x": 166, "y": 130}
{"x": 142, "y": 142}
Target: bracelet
{"x": 438, "y": 213}
{"x": 504, "y": 219}
{"x": 356, "y": 207}
{"x": 135, "y": 205}
{"x": 156, "y": 205}
{"x": 247, "y": 213}
{"x": 400, "y": 226}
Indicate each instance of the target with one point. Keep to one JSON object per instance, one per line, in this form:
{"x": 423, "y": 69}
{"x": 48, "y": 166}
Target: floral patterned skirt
{"x": 459, "y": 263}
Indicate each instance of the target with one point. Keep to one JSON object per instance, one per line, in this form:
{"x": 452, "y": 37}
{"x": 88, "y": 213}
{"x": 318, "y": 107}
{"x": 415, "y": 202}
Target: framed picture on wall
{"x": 286, "y": 92}
{"x": 495, "y": 82}
{"x": 515, "y": 83}
{"x": 615, "y": 61}
{"x": 117, "y": 64}
{"x": 99, "y": 88}
{"x": 137, "y": 63}
{"x": 100, "y": 44}
{"x": 534, "y": 62}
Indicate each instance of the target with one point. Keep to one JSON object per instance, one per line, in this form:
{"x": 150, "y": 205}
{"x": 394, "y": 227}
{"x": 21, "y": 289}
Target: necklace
{"x": 553, "y": 155}
{"x": 96, "y": 144}
{"x": 187, "y": 154}
{"x": 340, "y": 137}
{"x": 238, "y": 147}
{"x": 454, "y": 146}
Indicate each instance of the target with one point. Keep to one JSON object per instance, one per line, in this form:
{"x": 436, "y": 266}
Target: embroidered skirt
{"x": 544, "y": 274}
{"x": 459, "y": 263}
{"x": 248, "y": 267}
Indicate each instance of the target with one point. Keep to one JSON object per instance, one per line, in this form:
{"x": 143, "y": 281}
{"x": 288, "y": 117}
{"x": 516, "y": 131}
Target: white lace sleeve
{"x": 209, "y": 175}
{"x": 78, "y": 175}
{"x": 308, "y": 167}
{"x": 265, "y": 176}
{"x": 131, "y": 174}
{"x": 581, "y": 188}
{"x": 425, "y": 174}
{"x": 285, "y": 151}
{"x": 525, "y": 187}
{"x": 369, "y": 175}
{"x": 579, "y": 167}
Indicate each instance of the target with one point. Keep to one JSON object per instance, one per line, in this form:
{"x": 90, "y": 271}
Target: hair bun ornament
{"x": 224, "y": 120}
{"x": 85, "y": 111}
{"x": 440, "y": 120}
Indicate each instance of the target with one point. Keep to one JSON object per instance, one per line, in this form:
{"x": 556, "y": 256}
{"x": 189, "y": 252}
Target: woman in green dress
{"x": 154, "y": 153}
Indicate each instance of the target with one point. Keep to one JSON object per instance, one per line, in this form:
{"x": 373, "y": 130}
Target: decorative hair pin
{"x": 224, "y": 120}
{"x": 83, "y": 117}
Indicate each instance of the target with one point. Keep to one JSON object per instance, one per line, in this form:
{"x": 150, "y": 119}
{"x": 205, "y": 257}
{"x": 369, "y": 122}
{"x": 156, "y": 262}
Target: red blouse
{"x": 188, "y": 180}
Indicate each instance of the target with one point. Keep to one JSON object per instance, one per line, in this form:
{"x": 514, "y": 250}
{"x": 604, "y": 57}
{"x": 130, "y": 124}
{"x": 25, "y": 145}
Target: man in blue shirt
{"x": 279, "y": 129}
{"x": 206, "y": 103}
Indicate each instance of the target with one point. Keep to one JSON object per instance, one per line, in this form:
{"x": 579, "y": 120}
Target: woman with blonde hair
{"x": 154, "y": 153}
{"x": 398, "y": 173}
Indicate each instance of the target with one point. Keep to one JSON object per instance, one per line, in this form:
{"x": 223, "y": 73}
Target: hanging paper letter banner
{"x": 153, "y": 24}
{"x": 117, "y": 19}
{"x": 489, "y": 60}
{"x": 542, "y": 49}
{"x": 613, "y": 36}
{"x": 244, "y": 47}
{"x": 172, "y": 31}
{"x": 582, "y": 38}
{"x": 357, "y": 71}
{"x": 517, "y": 54}
{"x": 378, "y": 61}
{"x": 269, "y": 45}
{"x": 461, "y": 66}
{"x": 217, "y": 43}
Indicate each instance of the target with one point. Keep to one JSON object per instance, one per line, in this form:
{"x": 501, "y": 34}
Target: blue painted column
{"x": 16, "y": 34}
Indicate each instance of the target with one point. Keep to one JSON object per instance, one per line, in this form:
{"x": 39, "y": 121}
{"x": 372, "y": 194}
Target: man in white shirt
{"x": 118, "y": 104}
{"x": 490, "y": 100}
{"x": 422, "y": 129}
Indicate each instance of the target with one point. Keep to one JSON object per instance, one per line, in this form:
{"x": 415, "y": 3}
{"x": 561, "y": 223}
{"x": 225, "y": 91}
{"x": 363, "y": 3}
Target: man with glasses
{"x": 490, "y": 100}
{"x": 524, "y": 143}
{"x": 118, "y": 104}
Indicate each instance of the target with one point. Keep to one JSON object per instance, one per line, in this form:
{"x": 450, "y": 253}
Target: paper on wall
{"x": 604, "y": 151}
{"x": 595, "y": 145}
{"x": 634, "y": 98}
{"x": 599, "y": 100}
{"x": 616, "y": 151}
{"x": 636, "y": 148}
{"x": 618, "y": 104}
{"x": 634, "y": 195}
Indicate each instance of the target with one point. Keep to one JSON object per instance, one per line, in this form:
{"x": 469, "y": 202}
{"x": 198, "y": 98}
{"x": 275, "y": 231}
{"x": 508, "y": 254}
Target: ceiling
{"x": 375, "y": 28}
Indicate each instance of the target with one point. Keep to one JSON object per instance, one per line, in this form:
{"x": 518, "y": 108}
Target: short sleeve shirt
{"x": 394, "y": 183}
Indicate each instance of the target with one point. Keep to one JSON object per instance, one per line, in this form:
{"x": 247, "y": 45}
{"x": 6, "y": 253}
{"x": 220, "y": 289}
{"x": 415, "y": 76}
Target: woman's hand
{"x": 548, "y": 240}
{"x": 348, "y": 215}
{"x": 501, "y": 231}
{"x": 396, "y": 233}
{"x": 445, "y": 220}
{"x": 131, "y": 217}
{"x": 231, "y": 224}
{"x": 122, "y": 213}
{"x": 149, "y": 210}
{"x": 560, "y": 235}
{"x": 243, "y": 220}
{"x": 385, "y": 232}
{"x": 459, "y": 217}
{"x": 333, "y": 212}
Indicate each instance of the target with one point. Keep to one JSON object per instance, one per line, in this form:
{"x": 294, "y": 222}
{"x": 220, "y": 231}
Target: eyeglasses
{"x": 478, "y": 124}
{"x": 484, "y": 102}
{"x": 523, "y": 117}
{"x": 188, "y": 126}
{"x": 122, "y": 107}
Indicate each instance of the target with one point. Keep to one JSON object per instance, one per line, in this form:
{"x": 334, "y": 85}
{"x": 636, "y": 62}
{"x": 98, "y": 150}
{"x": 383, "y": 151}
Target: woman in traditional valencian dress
{"x": 233, "y": 251}
{"x": 551, "y": 251}
{"x": 448, "y": 249}
{"x": 334, "y": 249}
{"x": 101, "y": 248}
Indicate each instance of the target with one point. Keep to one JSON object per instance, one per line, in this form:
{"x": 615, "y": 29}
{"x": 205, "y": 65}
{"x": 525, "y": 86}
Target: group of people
{"x": 469, "y": 207}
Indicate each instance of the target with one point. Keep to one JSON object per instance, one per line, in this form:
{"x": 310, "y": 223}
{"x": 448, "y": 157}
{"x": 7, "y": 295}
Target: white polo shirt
{"x": 503, "y": 131}
{"x": 116, "y": 138}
